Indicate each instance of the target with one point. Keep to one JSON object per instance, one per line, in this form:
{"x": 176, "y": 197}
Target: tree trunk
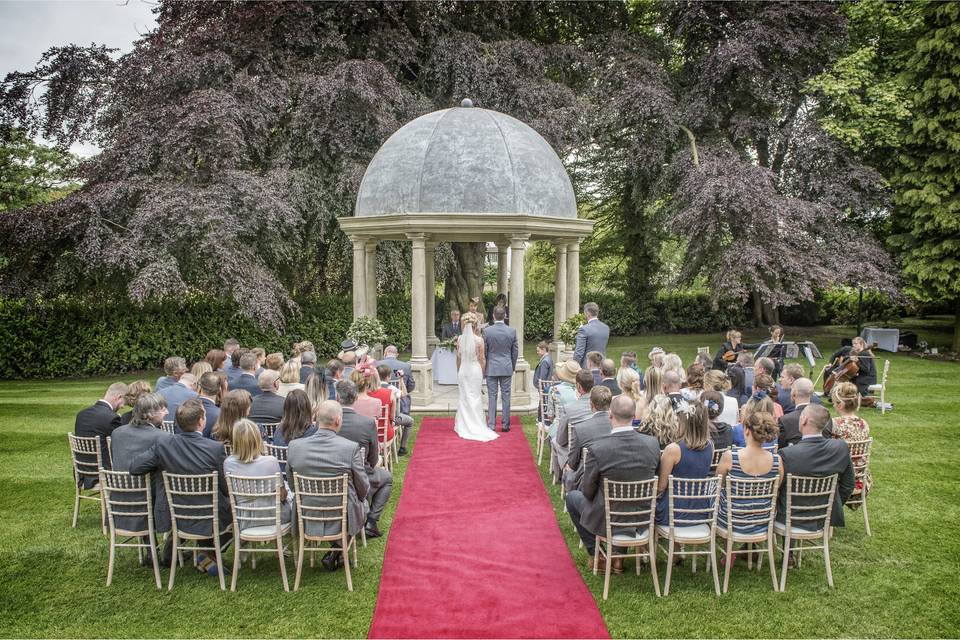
{"x": 466, "y": 281}
{"x": 757, "y": 308}
{"x": 771, "y": 315}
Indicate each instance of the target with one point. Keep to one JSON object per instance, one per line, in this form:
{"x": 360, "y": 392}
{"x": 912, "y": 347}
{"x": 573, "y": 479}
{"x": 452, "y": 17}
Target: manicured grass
{"x": 900, "y": 582}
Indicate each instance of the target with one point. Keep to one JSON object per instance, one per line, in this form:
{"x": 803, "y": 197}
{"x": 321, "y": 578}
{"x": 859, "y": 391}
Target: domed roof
{"x": 466, "y": 160}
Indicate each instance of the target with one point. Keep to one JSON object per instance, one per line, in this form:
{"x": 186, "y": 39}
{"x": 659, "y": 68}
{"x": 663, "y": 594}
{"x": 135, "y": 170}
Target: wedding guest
{"x": 763, "y": 385}
{"x": 629, "y": 382}
{"x": 247, "y": 378}
{"x": 499, "y": 301}
{"x": 249, "y": 460}
{"x": 334, "y": 375}
{"x": 656, "y": 357}
{"x": 297, "y": 419}
{"x": 173, "y": 368}
{"x": 316, "y": 388}
{"x": 661, "y": 422}
{"x": 654, "y": 388}
{"x": 261, "y": 355}
{"x": 591, "y": 336}
{"x": 694, "y": 382}
{"x": 689, "y": 457}
{"x": 348, "y": 356}
{"x": 594, "y": 362}
{"x": 401, "y": 373}
{"x": 585, "y": 432}
{"x": 818, "y": 457}
{"x": 572, "y": 412}
{"x": 745, "y": 363}
{"x": 274, "y": 362}
{"x": 289, "y": 378}
{"x": 234, "y": 406}
{"x": 738, "y": 383}
{"x": 363, "y": 431}
{"x": 199, "y": 368}
{"x": 628, "y": 360}
{"x": 715, "y": 380}
{"x": 544, "y": 369}
{"x": 189, "y": 453}
{"x": 607, "y": 373}
{"x": 624, "y": 456}
{"x": 211, "y": 393}
{"x": 268, "y": 406}
{"x": 721, "y": 433}
{"x": 217, "y": 359}
{"x": 788, "y": 376}
{"x": 365, "y": 404}
{"x": 800, "y": 394}
{"x": 753, "y": 461}
{"x": 234, "y": 370}
{"x": 179, "y": 392}
{"x": 308, "y": 363}
{"x": 764, "y": 366}
{"x": 565, "y": 391}
{"x": 387, "y": 393}
{"x": 756, "y": 404}
{"x": 135, "y": 389}
{"x": 848, "y": 426}
{"x": 451, "y": 329}
{"x": 100, "y": 420}
{"x": 672, "y": 362}
{"x": 672, "y": 386}
{"x": 327, "y": 454}
{"x": 704, "y": 360}
{"x": 231, "y": 368}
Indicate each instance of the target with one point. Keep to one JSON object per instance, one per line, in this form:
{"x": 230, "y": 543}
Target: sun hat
{"x": 568, "y": 370}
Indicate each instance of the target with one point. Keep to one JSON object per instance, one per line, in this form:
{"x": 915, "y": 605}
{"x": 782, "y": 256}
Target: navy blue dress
{"x": 694, "y": 465}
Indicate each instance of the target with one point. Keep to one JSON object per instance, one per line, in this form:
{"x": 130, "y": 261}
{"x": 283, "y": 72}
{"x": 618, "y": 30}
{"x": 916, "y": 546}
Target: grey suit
{"x": 584, "y": 433}
{"x": 592, "y": 336}
{"x": 266, "y": 407}
{"x": 570, "y": 413}
{"x": 128, "y": 442}
{"x": 502, "y": 351}
{"x": 819, "y": 457}
{"x": 175, "y": 395}
{"x": 363, "y": 431}
{"x": 449, "y": 330}
{"x": 326, "y": 454}
{"x": 625, "y": 456}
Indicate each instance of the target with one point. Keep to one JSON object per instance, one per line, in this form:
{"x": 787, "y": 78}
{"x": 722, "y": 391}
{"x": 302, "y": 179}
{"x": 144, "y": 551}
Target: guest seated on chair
{"x": 334, "y": 375}
{"x": 173, "y": 367}
{"x": 594, "y": 363}
{"x": 800, "y": 393}
{"x": 235, "y": 405}
{"x": 751, "y": 462}
{"x": 248, "y": 460}
{"x": 656, "y": 356}
{"x": 721, "y": 433}
{"x": 308, "y": 363}
{"x": 231, "y": 366}
{"x": 189, "y": 453}
{"x": 366, "y": 404}
{"x": 327, "y": 454}
{"x": 628, "y": 360}
{"x": 607, "y": 372}
{"x": 763, "y": 385}
{"x": 389, "y": 393}
{"x": 363, "y": 431}
{"x": 624, "y": 456}
{"x": 672, "y": 387}
{"x": 217, "y": 359}
{"x": 297, "y": 419}
{"x": 274, "y": 362}
{"x": 179, "y": 392}
{"x": 247, "y": 378}
{"x": 268, "y": 406}
{"x": 629, "y": 382}
{"x": 316, "y": 388}
{"x": 584, "y": 432}
{"x": 401, "y": 374}
{"x": 211, "y": 394}
{"x": 199, "y": 368}
{"x": 694, "y": 382}
{"x": 661, "y": 422}
{"x": 689, "y": 457}
{"x": 572, "y": 412}
{"x": 562, "y": 393}
{"x": 135, "y": 389}
{"x": 848, "y": 426}
{"x": 261, "y": 355}
{"x": 819, "y": 457}
{"x": 653, "y": 388}
{"x": 719, "y": 381}
{"x": 101, "y": 420}
{"x": 289, "y": 378}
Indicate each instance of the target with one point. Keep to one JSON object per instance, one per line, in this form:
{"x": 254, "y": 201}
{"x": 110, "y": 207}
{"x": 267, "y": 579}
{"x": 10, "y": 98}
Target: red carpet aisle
{"x": 475, "y": 551}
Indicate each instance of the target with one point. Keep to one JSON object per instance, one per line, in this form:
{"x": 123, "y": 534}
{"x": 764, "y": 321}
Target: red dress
{"x": 385, "y": 396}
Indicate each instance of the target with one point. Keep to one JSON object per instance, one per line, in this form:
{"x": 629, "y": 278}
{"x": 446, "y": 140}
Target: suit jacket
{"x": 790, "y": 427}
{"x": 266, "y": 407}
{"x": 212, "y": 412}
{"x": 305, "y": 371}
{"x": 592, "y": 336}
{"x": 175, "y": 395}
{"x": 363, "y": 431}
{"x": 97, "y": 420}
{"x": 573, "y": 412}
{"x": 448, "y": 330}
{"x": 128, "y": 442}
{"x": 584, "y": 433}
{"x": 189, "y": 453}
{"x": 625, "y": 456}
{"x": 326, "y": 454}
{"x": 247, "y": 382}
{"x": 502, "y": 349}
{"x": 819, "y": 456}
{"x": 163, "y": 382}
{"x": 611, "y": 384}
{"x": 784, "y": 400}
{"x": 506, "y": 316}
{"x": 543, "y": 371}
{"x": 408, "y": 381}
{"x": 231, "y": 371}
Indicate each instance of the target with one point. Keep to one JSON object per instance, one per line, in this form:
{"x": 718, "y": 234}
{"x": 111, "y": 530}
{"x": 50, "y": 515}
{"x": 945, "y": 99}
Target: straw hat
{"x": 567, "y": 371}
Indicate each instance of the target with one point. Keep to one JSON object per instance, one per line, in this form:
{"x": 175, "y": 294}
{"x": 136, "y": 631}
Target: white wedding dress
{"x": 470, "y": 423}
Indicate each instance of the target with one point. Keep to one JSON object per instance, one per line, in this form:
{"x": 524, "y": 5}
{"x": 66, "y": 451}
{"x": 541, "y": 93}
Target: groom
{"x": 502, "y": 350}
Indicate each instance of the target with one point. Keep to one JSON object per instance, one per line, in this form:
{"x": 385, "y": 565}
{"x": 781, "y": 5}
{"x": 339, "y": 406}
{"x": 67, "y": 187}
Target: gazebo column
{"x": 359, "y": 276}
{"x": 503, "y": 273}
{"x": 573, "y": 278}
{"x": 431, "y": 281}
{"x": 371, "y": 272}
{"x": 521, "y": 379}
{"x": 559, "y": 293}
{"x": 420, "y": 365}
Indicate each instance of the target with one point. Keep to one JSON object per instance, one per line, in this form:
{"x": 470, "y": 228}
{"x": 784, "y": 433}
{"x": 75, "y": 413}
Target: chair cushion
{"x": 637, "y": 538}
{"x": 264, "y": 531}
{"x": 685, "y": 533}
{"x": 780, "y": 528}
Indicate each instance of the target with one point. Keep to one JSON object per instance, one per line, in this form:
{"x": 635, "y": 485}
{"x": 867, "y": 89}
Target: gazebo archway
{"x": 465, "y": 175}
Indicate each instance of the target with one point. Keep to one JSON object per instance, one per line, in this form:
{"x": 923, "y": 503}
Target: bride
{"x": 470, "y": 423}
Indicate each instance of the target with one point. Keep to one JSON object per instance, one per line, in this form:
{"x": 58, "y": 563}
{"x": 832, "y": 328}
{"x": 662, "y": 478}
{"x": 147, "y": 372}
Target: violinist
{"x": 729, "y": 350}
{"x": 778, "y": 350}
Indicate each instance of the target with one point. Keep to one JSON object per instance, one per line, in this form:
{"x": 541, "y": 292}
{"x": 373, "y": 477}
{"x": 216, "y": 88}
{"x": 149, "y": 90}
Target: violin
{"x": 729, "y": 356}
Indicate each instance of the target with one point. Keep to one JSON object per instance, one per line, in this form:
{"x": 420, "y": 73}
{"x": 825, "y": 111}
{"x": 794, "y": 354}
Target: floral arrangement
{"x": 367, "y": 330}
{"x": 450, "y": 344}
{"x": 570, "y": 326}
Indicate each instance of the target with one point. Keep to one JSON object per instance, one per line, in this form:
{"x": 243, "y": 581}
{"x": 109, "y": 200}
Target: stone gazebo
{"x": 465, "y": 175}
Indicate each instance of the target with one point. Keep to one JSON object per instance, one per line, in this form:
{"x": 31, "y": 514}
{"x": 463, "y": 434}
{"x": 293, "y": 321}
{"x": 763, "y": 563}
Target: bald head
{"x": 329, "y": 414}
{"x": 813, "y": 419}
{"x": 801, "y": 390}
{"x": 622, "y": 410}
{"x": 671, "y": 382}
{"x": 268, "y": 380}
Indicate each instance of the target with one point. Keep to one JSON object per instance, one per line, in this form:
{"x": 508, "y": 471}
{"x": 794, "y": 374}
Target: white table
{"x": 444, "y": 366}
{"x": 886, "y": 339}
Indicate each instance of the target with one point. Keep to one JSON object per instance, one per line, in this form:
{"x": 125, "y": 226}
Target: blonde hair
{"x": 629, "y": 381}
{"x": 290, "y": 371}
{"x": 662, "y": 423}
{"x": 763, "y": 426}
{"x": 755, "y": 405}
{"x": 134, "y": 390}
{"x": 716, "y": 380}
{"x": 200, "y": 368}
{"x": 672, "y": 362}
{"x": 364, "y": 383}
{"x": 733, "y": 333}
{"x": 470, "y": 318}
{"x": 694, "y": 426}
{"x": 654, "y": 383}
{"x": 846, "y": 397}
{"x": 246, "y": 440}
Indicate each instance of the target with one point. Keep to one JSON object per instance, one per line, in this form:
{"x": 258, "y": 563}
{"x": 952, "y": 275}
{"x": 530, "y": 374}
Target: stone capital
{"x": 519, "y": 240}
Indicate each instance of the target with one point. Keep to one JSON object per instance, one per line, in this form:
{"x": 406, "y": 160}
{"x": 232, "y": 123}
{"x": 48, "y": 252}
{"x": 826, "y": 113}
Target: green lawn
{"x": 900, "y": 582}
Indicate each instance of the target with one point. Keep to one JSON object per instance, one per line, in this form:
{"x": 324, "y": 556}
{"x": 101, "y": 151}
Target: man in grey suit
{"x": 502, "y": 350}
{"x": 592, "y": 336}
{"x": 820, "y": 457}
{"x": 247, "y": 379}
{"x": 568, "y": 414}
{"x": 584, "y": 432}
{"x": 179, "y": 392}
{"x": 363, "y": 431}
{"x": 625, "y": 456}
{"x": 327, "y": 454}
{"x": 400, "y": 369}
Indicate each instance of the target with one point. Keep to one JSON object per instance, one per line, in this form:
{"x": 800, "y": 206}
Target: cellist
{"x": 861, "y": 353}
{"x": 729, "y": 350}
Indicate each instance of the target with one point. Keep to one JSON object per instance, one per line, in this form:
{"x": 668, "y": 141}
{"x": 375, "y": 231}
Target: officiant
{"x": 451, "y": 329}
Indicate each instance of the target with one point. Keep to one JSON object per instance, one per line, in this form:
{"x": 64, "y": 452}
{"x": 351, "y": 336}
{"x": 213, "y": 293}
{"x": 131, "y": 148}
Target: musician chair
{"x": 881, "y": 387}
